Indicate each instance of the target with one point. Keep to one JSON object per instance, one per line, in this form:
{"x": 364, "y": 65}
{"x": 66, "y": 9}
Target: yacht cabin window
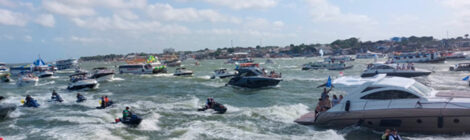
{"x": 421, "y": 89}
{"x": 389, "y": 94}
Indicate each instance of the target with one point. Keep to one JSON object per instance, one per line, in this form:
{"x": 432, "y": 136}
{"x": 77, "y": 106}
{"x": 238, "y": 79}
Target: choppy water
{"x": 168, "y": 105}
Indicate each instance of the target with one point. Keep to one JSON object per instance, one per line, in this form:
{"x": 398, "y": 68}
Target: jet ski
{"x": 33, "y": 103}
{"x": 219, "y": 108}
{"x": 110, "y": 103}
{"x": 133, "y": 121}
{"x": 5, "y": 109}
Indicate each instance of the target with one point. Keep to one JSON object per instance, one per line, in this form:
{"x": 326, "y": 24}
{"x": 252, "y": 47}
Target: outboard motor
{"x": 348, "y": 105}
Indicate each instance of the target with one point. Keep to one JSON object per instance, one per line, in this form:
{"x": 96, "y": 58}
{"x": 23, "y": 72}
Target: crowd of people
{"x": 324, "y": 102}
{"x": 409, "y": 66}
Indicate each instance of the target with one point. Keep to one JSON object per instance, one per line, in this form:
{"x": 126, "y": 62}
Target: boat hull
{"x": 254, "y": 82}
{"x": 6, "y": 109}
{"x": 103, "y": 76}
{"x": 399, "y": 74}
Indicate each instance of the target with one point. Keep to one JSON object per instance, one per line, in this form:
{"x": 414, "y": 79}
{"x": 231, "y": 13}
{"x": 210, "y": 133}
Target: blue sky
{"x": 61, "y": 29}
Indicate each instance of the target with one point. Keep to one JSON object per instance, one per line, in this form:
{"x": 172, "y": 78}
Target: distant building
{"x": 168, "y": 51}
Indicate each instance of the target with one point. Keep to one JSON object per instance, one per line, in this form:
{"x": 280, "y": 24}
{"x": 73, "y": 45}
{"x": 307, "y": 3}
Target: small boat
{"x": 456, "y": 56}
{"x": 389, "y": 69}
{"x": 27, "y": 79}
{"x": 5, "y": 77}
{"x": 3, "y": 68}
{"x": 382, "y": 102}
{"x": 417, "y": 57}
{"x": 269, "y": 61}
{"x": 460, "y": 67}
{"x": 66, "y": 64}
{"x": 102, "y": 74}
{"x": 324, "y": 65}
{"x": 44, "y": 74}
{"x": 42, "y": 70}
{"x": 369, "y": 55}
{"x": 80, "y": 81}
{"x": 18, "y": 70}
{"x": 338, "y": 59}
{"x": 253, "y": 77}
{"x": 172, "y": 63}
{"x": 6, "y": 109}
{"x": 182, "y": 71}
{"x": 221, "y": 73}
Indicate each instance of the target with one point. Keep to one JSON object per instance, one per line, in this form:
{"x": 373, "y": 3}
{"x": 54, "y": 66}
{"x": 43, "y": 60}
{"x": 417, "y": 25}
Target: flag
{"x": 341, "y": 73}
{"x": 328, "y": 83}
{"x": 466, "y": 78}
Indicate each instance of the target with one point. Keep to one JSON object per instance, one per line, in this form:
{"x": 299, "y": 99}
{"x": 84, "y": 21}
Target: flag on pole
{"x": 466, "y": 78}
{"x": 328, "y": 83}
{"x": 341, "y": 73}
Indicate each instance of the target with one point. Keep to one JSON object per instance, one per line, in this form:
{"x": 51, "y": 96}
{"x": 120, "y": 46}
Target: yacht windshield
{"x": 421, "y": 89}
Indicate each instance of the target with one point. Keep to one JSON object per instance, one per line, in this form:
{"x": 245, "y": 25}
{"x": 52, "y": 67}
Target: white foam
{"x": 150, "y": 123}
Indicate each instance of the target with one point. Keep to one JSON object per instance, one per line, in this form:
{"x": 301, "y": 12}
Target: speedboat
{"x": 182, "y": 72}
{"x": 27, "y": 79}
{"x": 380, "y": 68}
{"x": 324, "y": 65}
{"x": 44, "y": 74}
{"x": 456, "y": 56}
{"x": 382, "y": 102}
{"x": 18, "y": 70}
{"x": 41, "y": 69}
{"x": 173, "y": 63}
{"x": 3, "y": 68}
{"x": 102, "y": 74}
{"x": 80, "y": 81}
{"x": 66, "y": 64}
{"x": 221, "y": 73}
{"x": 460, "y": 67}
{"x": 239, "y": 60}
{"x": 269, "y": 61}
{"x": 6, "y": 109}
{"x": 253, "y": 77}
{"x": 151, "y": 68}
{"x": 5, "y": 77}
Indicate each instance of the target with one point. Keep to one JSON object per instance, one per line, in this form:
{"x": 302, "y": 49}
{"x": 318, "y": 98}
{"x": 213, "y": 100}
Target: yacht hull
{"x": 405, "y": 120}
{"x": 399, "y": 74}
{"x": 254, "y": 82}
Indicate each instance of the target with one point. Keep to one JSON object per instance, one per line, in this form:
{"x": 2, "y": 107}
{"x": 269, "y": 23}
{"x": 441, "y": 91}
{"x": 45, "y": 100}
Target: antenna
{"x": 231, "y": 43}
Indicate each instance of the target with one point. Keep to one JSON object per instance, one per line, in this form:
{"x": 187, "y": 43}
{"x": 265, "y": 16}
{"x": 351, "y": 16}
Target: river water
{"x": 168, "y": 105}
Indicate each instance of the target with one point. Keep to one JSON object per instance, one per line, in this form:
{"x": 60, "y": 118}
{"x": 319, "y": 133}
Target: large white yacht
{"x": 66, "y": 64}
{"x": 382, "y": 102}
{"x": 389, "y": 69}
{"x": 3, "y": 68}
{"x": 417, "y": 57}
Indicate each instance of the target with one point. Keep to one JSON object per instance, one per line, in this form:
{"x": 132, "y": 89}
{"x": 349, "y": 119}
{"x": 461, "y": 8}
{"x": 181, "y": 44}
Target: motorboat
{"x": 239, "y": 60}
{"x": 27, "y": 79}
{"x": 3, "y": 68}
{"x": 6, "y": 109}
{"x": 182, "y": 71}
{"x": 382, "y": 102}
{"x": 81, "y": 81}
{"x": 173, "y": 63}
{"x": 369, "y": 55}
{"x": 5, "y": 77}
{"x": 66, "y": 64}
{"x": 138, "y": 66}
{"x": 102, "y": 74}
{"x": 338, "y": 59}
{"x": 269, "y": 61}
{"x": 17, "y": 70}
{"x": 460, "y": 67}
{"x": 324, "y": 65}
{"x": 42, "y": 70}
{"x": 389, "y": 69}
{"x": 253, "y": 77}
{"x": 417, "y": 57}
{"x": 456, "y": 56}
{"x": 221, "y": 73}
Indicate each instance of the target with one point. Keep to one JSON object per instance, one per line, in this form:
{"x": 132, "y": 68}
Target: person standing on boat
{"x": 335, "y": 101}
{"x": 394, "y": 135}
{"x": 386, "y": 135}
{"x": 325, "y": 92}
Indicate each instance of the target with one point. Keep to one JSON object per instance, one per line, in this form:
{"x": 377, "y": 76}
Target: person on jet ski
{"x": 56, "y": 97}
{"x": 30, "y": 102}
{"x": 211, "y": 104}
{"x": 105, "y": 101}
{"x": 126, "y": 114}
{"x": 1, "y": 98}
{"x": 80, "y": 97}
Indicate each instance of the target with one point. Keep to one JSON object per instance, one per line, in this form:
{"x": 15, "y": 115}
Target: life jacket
{"x": 106, "y": 100}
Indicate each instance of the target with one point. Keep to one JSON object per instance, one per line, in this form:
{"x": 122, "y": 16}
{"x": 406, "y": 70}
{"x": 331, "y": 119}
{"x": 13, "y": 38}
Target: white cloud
{"x": 460, "y": 12}
{"x": 7, "y": 3}
{"x": 127, "y": 14}
{"x": 245, "y": 4}
{"x": 119, "y": 23}
{"x": 46, "y": 20}
{"x": 83, "y": 39}
{"x": 323, "y": 11}
{"x": 68, "y": 10}
{"x": 28, "y": 38}
{"x": 262, "y": 24}
{"x": 12, "y": 18}
{"x": 167, "y": 12}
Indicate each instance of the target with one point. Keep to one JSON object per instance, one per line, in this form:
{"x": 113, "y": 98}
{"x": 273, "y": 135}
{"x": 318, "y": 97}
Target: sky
{"x": 62, "y": 29}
